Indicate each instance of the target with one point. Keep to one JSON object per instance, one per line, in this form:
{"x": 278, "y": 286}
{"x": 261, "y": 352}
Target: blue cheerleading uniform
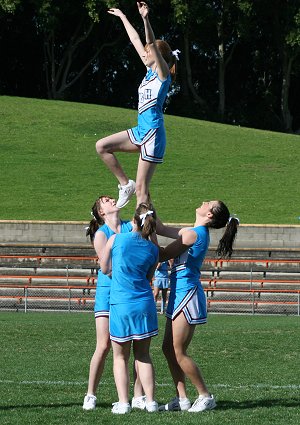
{"x": 186, "y": 293}
{"x": 150, "y": 133}
{"x": 102, "y": 297}
{"x": 161, "y": 276}
{"x": 132, "y": 308}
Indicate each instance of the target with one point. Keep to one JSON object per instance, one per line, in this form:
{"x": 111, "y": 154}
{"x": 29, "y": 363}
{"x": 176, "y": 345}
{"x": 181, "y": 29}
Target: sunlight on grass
{"x": 50, "y": 169}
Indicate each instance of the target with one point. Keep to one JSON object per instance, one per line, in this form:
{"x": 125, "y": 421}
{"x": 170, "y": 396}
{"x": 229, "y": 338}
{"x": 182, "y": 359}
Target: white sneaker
{"x": 139, "y": 402}
{"x": 89, "y": 402}
{"x": 152, "y": 406}
{"x": 121, "y": 408}
{"x": 125, "y": 193}
{"x": 176, "y": 404}
{"x": 203, "y": 403}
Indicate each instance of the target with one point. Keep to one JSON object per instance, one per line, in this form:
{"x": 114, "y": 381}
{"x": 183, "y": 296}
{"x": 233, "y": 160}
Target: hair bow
{"x": 176, "y": 53}
{"x": 143, "y": 217}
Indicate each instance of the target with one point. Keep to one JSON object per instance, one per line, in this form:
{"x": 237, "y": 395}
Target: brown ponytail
{"x": 168, "y": 56}
{"x": 149, "y": 225}
{"x": 221, "y": 218}
{"x": 97, "y": 219}
{"x": 225, "y": 246}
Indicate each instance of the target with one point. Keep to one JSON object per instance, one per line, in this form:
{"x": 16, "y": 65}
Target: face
{"x": 148, "y": 57}
{"x": 206, "y": 208}
{"x": 107, "y": 205}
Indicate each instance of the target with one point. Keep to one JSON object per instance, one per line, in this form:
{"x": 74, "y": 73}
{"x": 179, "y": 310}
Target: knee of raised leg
{"x": 100, "y": 146}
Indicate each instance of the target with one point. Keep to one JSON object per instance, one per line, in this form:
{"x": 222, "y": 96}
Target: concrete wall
{"x": 59, "y": 232}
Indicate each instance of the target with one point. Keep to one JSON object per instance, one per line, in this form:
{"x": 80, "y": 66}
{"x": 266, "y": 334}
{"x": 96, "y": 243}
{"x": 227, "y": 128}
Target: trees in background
{"x": 239, "y": 62}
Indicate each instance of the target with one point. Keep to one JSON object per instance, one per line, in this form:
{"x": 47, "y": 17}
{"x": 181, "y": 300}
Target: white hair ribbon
{"x": 176, "y": 53}
{"x": 143, "y": 217}
{"x": 231, "y": 217}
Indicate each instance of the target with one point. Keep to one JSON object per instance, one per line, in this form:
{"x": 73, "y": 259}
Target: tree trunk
{"x": 221, "y": 79}
{"x": 198, "y": 99}
{"x": 287, "y": 118}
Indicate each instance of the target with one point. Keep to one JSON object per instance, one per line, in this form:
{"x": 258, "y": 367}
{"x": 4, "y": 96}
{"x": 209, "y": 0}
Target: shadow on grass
{"x": 52, "y": 406}
{"x": 222, "y": 405}
{"x": 251, "y": 404}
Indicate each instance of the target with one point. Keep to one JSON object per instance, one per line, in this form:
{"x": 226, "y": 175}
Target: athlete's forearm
{"x": 149, "y": 34}
{"x": 131, "y": 31}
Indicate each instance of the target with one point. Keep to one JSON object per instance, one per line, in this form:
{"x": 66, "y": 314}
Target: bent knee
{"x": 101, "y": 146}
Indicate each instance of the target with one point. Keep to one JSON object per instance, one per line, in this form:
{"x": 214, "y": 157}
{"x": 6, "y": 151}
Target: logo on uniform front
{"x": 144, "y": 96}
{"x": 147, "y": 94}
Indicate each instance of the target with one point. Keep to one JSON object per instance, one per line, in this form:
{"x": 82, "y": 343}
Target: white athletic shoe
{"x": 176, "y": 404}
{"x": 89, "y": 402}
{"x": 203, "y": 403}
{"x": 121, "y": 408}
{"x": 125, "y": 193}
{"x": 152, "y": 406}
{"x": 139, "y": 402}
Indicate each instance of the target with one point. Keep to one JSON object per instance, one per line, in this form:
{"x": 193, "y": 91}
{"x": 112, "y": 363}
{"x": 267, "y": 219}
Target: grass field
{"x": 251, "y": 365}
{"x": 50, "y": 170}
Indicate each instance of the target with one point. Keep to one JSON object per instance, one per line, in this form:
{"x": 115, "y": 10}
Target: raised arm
{"x": 131, "y": 31}
{"x": 176, "y": 248}
{"x": 169, "y": 231}
{"x": 151, "y": 271}
{"x": 162, "y": 66}
{"x": 99, "y": 244}
{"x": 105, "y": 261}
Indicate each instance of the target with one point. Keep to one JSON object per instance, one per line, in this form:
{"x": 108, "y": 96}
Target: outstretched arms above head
{"x": 131, "y": 31}
{"x": 162, "y": 66}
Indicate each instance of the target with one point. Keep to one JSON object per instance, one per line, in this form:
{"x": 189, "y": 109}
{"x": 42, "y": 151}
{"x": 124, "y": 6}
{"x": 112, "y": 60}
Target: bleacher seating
{"x": 60, "y": 277}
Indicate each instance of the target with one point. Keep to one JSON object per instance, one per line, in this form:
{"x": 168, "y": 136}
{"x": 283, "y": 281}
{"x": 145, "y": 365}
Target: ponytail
{"x": 169, "y": 56}
{"x": 225, "y": 246}
{"x": 221, "y": 218}
{"x": 145, "y": 219}
{"x": 97, "y": 219}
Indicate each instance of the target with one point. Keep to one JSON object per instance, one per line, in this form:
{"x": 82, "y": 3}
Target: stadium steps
{"x": 63, "y": 276}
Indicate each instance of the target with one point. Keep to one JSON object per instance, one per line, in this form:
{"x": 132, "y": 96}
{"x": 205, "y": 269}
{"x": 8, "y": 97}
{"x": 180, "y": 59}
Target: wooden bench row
{"x": 30, "y": 279}
{"x": 207, "y": 282}
{"x": 62, "y": 249}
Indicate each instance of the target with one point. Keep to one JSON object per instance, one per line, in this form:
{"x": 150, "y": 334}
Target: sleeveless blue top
{"x": 162, "y": 270}
{"x": 185, "y": 274}
{"x": 126, "y": 226}
{"x": 132, "y": 258}
{"x": 152, "y": 95}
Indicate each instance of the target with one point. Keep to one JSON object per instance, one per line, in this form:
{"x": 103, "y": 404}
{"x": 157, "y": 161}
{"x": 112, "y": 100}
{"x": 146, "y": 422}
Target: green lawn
{"x": 251, "y": 365}
{"x": 50, "y": 170}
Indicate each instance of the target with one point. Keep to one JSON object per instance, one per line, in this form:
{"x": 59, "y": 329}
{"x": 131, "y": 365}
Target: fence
{"x": 67, "y": 283}
{"x": 81, "y": 298}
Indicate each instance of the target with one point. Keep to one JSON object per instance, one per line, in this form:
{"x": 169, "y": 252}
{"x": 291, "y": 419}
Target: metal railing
{"x": 81, "y": 298}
